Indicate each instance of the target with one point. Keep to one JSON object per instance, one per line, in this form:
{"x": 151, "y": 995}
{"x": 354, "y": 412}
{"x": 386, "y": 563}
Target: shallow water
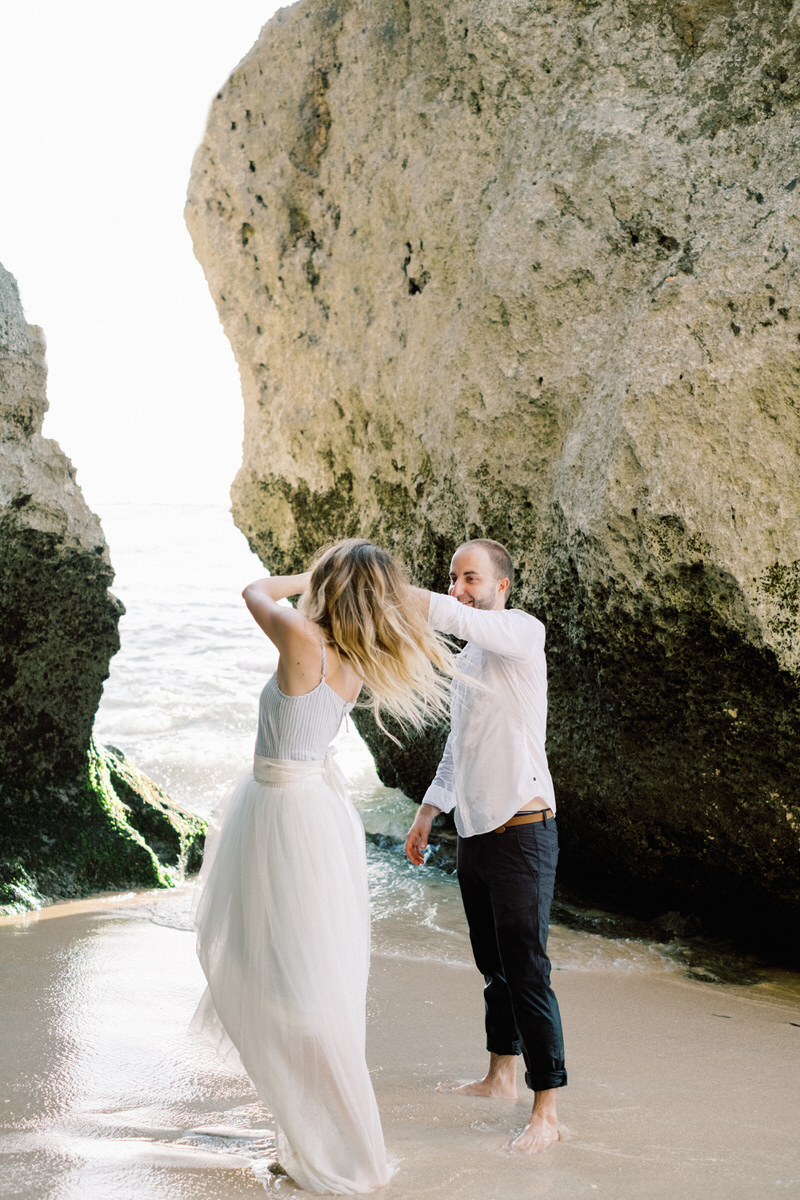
{"x": 106, "y": 1096}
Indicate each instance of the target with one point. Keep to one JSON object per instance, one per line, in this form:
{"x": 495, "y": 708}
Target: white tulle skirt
{"x": 283, "y": 938}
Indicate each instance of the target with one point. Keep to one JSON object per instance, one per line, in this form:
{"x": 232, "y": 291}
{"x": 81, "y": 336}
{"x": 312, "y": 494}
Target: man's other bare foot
{"x": 499, "y": 1083}
{"x": 542, "y": 1129}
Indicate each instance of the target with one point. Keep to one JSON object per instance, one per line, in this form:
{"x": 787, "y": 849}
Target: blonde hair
{"x": 360, "y": 597}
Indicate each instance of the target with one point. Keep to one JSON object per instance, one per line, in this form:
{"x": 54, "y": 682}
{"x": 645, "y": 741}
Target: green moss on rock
{"x": 106, "y": 829}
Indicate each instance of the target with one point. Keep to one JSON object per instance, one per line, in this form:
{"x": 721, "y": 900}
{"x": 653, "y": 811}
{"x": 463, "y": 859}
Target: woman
{"x": 283, "y": 918}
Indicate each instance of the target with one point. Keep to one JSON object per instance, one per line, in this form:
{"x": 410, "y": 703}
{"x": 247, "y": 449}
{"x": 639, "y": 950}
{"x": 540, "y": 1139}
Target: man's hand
{"x": 418, "y": 834}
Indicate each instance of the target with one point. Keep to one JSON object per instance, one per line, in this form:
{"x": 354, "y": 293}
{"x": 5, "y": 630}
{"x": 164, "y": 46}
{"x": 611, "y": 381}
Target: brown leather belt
{"x": 526, "y": 818}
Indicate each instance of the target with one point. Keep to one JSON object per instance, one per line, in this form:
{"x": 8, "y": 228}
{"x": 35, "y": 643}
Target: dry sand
{"x": 678, "y": 1089}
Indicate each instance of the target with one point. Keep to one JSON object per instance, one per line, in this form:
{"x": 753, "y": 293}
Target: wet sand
{"x": 677, "y": 1088}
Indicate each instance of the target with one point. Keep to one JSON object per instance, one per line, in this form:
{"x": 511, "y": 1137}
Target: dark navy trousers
{"x": 507, "y": 882}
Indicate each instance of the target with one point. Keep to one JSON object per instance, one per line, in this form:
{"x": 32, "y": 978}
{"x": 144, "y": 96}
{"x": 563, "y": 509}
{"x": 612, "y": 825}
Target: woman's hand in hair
{"x": 282, "y": 624}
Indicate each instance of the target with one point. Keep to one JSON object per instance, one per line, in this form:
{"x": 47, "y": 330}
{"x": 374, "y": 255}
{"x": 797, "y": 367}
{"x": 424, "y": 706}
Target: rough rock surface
{"x": 73, "y": 817}
{"x": 529, "y": 269}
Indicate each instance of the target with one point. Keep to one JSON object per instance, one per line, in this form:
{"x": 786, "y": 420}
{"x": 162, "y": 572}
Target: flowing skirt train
{"x": 283, "y": 938}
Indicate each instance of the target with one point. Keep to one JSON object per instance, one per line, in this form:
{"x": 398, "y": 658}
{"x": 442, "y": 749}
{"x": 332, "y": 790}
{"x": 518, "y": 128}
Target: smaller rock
{"x": 74, "y": 818}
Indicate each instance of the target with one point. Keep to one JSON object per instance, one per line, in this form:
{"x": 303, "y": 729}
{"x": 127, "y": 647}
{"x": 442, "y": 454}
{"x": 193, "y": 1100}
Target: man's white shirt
{"x": 494, "y": 761}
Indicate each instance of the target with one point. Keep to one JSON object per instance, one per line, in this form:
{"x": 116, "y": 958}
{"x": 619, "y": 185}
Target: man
{"x": 494, "y": 773}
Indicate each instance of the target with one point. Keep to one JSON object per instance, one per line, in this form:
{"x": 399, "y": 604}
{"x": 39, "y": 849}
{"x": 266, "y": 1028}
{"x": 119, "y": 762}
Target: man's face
{"x": 473, "y": 579}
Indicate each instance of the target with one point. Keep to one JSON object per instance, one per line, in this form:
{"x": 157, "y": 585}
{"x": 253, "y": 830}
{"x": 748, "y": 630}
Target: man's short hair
{"x": 501, "y": 559}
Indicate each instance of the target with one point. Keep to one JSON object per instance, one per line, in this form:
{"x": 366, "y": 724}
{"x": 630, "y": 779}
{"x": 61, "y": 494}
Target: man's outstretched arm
{"x": 508, "y": 632}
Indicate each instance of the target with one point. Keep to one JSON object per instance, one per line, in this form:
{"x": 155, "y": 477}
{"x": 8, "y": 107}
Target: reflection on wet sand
{"x": 678, "y": 1088}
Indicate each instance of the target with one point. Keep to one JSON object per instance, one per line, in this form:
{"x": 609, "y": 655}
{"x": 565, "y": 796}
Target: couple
{"x": 283, "y": 916}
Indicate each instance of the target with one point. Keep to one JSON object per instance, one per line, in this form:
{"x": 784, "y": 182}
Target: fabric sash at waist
{"x": 285, "y": 772}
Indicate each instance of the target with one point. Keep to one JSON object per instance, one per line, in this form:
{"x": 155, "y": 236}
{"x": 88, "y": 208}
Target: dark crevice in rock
{"x": 672, "y": 741}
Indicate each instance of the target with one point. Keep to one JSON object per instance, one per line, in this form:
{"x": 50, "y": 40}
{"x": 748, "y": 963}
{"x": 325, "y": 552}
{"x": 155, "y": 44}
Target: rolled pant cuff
{"x": 507, "y": 1050}
{"x": 543, "y": 1083}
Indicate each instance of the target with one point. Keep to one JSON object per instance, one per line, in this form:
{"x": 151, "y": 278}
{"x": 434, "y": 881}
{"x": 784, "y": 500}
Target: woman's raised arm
{"x": 279, "y": 622}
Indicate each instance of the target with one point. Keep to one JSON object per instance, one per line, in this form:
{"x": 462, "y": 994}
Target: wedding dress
{"x": 283, "y": 938}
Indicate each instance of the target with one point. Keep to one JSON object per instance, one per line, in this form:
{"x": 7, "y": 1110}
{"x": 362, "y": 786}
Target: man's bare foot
{"x": 479, "y": 1087}
{"x": 499, "y": 1083}
{"x": 542, "y": 1129}
{"x": 535, "y": 1137}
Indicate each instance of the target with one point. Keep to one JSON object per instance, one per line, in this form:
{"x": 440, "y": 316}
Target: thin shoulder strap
{"x": 322, "y": 644}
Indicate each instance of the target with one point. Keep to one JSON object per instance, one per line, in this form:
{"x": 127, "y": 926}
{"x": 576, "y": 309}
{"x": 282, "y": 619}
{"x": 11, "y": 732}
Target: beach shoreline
{"x": 677, "y": 1087}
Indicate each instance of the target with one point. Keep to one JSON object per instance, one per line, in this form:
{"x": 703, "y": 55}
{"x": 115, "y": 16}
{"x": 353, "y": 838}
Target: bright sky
{"x": 104, "y": 103}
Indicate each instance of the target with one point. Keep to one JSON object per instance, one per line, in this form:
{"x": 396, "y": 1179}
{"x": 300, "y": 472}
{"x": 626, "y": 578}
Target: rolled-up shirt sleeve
{"x": 508, "y": 632}
{"x": 442, "y": 793}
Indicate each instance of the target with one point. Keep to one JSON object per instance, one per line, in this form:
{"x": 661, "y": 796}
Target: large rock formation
{"x": 74, "y": 818}
{"x": 529, "y": 269}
